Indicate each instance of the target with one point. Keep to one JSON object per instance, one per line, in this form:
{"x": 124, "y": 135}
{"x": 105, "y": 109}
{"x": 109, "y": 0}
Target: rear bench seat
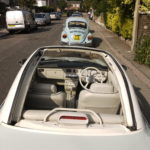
{"x": 44, "y": 96}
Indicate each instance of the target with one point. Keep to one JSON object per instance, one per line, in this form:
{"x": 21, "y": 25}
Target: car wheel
{"x": 28, "y": 29}
{"x": 11, "y": 32}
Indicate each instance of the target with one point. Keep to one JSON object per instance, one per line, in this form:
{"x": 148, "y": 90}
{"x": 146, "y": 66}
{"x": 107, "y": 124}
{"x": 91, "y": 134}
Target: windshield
{"x": 39, "y": 15}
{"x": 65, "y": 62}
{"x": 78, "y": 24}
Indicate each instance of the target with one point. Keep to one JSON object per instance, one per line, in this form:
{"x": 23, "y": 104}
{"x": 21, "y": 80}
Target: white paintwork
{"x": 19, "y": 20}
{"x": 125, "y": 100}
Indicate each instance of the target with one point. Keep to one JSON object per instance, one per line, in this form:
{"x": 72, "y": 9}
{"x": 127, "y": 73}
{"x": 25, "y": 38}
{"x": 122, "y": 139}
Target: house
{"x": 41, "y": 3}
{"x": 73, "y": 5}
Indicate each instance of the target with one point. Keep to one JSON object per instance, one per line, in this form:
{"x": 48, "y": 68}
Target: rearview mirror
{"x": 125, "y": 67}
{"x": 21, "y": 62}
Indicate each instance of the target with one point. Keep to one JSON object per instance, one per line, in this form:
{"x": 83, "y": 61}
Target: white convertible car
{"x": 72, "y": 98}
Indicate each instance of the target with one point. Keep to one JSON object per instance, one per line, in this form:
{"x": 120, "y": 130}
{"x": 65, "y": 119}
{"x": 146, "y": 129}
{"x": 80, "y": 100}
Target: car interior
{"x": 72, "y": 90}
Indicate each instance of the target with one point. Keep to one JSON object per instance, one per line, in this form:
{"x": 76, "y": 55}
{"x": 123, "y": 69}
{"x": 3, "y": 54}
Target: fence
{"x": 144, "y": 24}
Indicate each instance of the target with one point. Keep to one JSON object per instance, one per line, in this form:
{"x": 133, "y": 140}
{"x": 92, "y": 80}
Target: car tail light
{"x": 64, "y": 36}
{"x": 90, "y": 37}
{"x": 73, "y": 117}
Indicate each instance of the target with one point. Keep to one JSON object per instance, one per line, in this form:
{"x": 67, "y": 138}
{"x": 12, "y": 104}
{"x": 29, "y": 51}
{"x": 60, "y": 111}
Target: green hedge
{"x": 113, "y": 22}
{"x": 142, "y": 53}
{"x": 145, "y": 5}
{"x": 119, "y": 25}
{"x": 126, "y": 28}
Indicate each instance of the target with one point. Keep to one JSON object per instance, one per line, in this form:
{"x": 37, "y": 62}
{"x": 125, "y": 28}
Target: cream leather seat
{"x": 44, "y": 96}
{"x": 101, "y": 98}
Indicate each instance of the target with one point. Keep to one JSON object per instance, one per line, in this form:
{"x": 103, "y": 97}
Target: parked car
{"x": 55, "y": 16}
{"x": 69, "y": 13}
{"x": 42, "y": 18}
{"x": 72, "y": 98}
{"x": 60, "y": 13}
{"x": 77, "y": 14}
{"x": 20, "y": 20}
{"x": 76, "y": 32}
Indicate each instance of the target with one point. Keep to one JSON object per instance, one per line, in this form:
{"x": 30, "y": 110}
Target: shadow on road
{"x": 145, "y": 107}
{"x": 92, "y": 31}
{"x": 54, "y": 23}
{"x": 9, "y": 36}
{"x": 40, "y": 29}
{"x": 96, "y": 42}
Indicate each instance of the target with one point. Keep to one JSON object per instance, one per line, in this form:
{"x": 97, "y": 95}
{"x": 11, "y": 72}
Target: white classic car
{"x": 72, "y": 98}
{"x": 76, "y": 32}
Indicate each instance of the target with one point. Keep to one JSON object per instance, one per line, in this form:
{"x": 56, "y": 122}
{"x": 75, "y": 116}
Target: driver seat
{"x": 100, "y": 98}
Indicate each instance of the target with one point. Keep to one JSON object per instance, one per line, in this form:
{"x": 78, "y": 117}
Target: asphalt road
{"x": 14, "y": 48}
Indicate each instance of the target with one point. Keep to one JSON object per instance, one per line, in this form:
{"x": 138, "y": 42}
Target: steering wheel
{"x": 91, "y": 75}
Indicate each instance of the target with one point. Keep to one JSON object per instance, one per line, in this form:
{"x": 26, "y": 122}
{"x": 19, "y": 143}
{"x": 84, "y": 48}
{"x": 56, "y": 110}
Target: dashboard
{"x": 58, "y": 73}
{"x": 71, "y": 73}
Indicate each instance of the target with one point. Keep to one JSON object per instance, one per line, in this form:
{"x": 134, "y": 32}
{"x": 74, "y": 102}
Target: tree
{"x": 2, "y": 7}
{"x": 26, "y": 3}
{"x": 86, "y": 4}
{"x": 61, "y": 4}
{"x": 145, "y": 5}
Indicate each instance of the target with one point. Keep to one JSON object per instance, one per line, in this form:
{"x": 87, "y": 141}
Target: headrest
{"x": 105, "y": 88}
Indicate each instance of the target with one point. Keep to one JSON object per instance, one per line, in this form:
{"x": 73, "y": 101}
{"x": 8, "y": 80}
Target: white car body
{"x": 19, "y": 20}
{"x": 24, "y": 129}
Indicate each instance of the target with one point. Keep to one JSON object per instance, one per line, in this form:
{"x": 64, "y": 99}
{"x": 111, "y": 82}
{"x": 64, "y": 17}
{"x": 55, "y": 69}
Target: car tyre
{"x": 11, "y": 32}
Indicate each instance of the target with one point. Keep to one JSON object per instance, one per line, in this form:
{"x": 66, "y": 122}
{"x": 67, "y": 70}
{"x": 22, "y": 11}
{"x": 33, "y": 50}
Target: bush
{"x": 113, "y": 22}
{"x": 142, "y": 53}
{"x": 145, "y": 5}
{"x": 126, "y": 28}
{"x": 116, "y": 23}
{"x": 108, "y": 20}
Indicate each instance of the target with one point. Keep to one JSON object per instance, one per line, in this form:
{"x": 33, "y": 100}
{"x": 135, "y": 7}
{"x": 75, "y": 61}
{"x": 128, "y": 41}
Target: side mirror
{"x": 125, "y": 67}
{"x": 21, "y": 62}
